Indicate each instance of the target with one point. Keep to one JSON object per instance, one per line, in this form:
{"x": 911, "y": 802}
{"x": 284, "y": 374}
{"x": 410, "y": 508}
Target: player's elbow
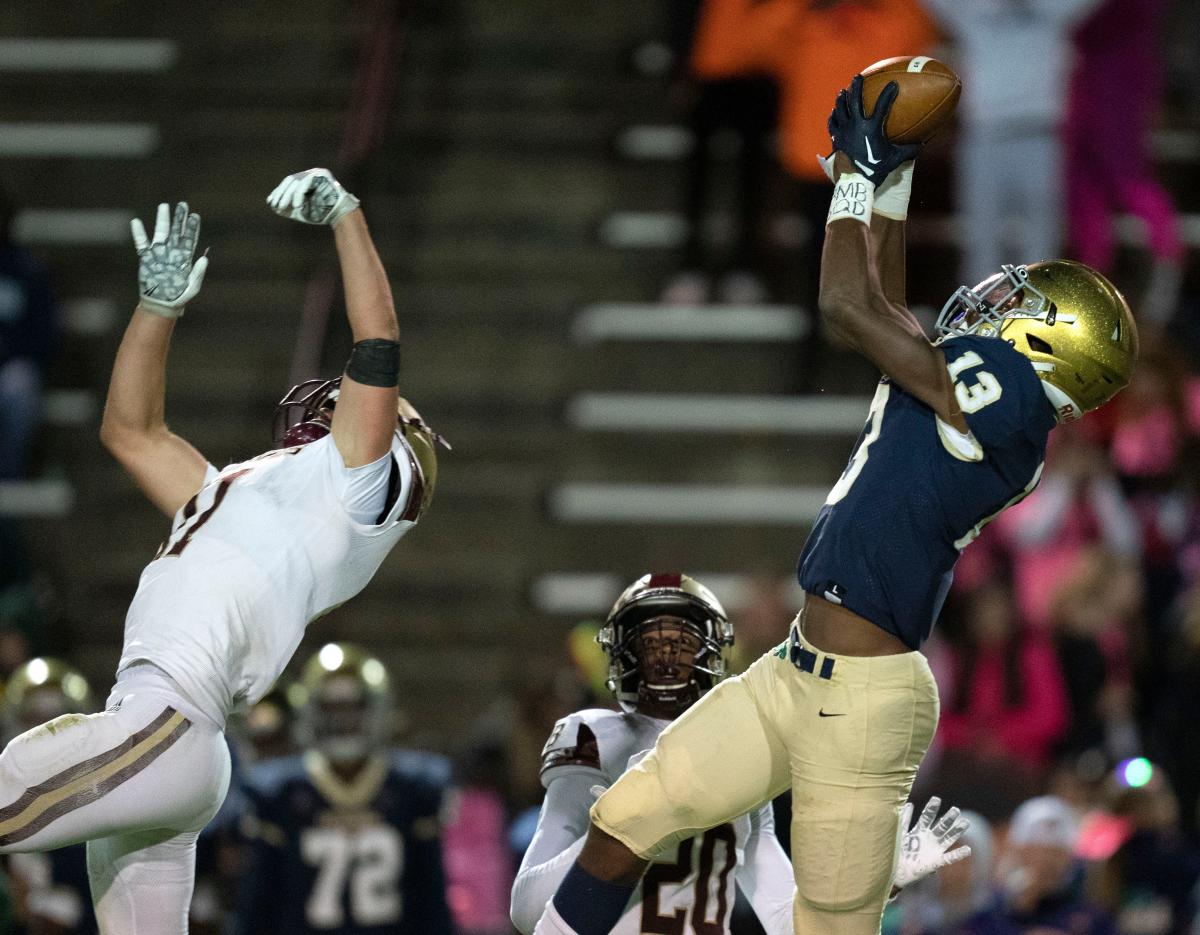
{"x": 838, "y": 312}
{"x": 127, "y": 443}
{"x": 522, "y": 910}
{"x": 115, "y": 437}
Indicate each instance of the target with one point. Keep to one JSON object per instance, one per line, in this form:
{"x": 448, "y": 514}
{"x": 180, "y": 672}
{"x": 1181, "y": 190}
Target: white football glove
{"x": 313, "y": 197}
{"x": 926, "y": 848}
{"x": 167, "y": 277}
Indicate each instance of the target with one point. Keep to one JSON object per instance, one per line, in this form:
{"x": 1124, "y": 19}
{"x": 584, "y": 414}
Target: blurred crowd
{"x": 1068, "y": 656}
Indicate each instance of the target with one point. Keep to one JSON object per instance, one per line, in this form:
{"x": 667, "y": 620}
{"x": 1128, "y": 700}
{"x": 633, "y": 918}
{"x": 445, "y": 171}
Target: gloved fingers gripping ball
{"x": 862, "y": 137}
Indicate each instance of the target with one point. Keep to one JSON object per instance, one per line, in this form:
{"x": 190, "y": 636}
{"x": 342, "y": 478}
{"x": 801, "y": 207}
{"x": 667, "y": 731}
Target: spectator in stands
{"x": 1042, "y": 879}
{"x": 1114, "y": 100}
{"x": 1150, "y": 883}
{"x": 1003, "y": 698}
{"x": 1077, "y": 503}
{"x": 28, "y": 321}
{"x": 826, "y": 43}
{"x": 1174, "y": 736}
{"x": 1014, "y": 57}
{"x": 1091, "y": 616}
{"x": 733, "y": 106}
{"x": 1145, "y": 431}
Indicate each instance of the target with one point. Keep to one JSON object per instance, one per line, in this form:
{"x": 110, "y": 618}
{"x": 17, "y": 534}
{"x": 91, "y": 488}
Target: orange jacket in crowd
{"x": 813, "y": 48}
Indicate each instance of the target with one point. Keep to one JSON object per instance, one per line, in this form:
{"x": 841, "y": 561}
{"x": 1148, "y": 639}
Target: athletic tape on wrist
{"x": 891, "y": 198}
{"x": 375, "y": 362}
{"x": 162, "y": 311}
{"x": 853, "y": 197}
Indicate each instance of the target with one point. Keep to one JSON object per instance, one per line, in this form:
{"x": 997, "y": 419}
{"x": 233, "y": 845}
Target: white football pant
{"x": 137, "y": 782}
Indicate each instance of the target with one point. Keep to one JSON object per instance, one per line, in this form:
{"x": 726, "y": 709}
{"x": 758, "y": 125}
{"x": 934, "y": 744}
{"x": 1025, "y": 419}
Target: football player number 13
{"x": 983, "y": 390}
{"x": 368, "y": 863}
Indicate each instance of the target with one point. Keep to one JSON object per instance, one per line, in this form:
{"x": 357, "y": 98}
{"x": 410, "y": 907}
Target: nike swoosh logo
{"x": 870, "y": 153}
{"x": 822, "y": 713}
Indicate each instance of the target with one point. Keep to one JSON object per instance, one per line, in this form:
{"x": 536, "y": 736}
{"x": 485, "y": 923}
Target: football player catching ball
{"x": 665, "y": 638}
{"x": 843, "y": 712}
{"x": 256, "y": 551}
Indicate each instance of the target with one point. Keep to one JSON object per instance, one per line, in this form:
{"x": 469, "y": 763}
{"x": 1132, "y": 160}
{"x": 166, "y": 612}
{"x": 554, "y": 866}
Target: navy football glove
{"x": 862, "y": 138}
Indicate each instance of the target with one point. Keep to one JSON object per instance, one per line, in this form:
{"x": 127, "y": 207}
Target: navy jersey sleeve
{"x": 998, "y": 390}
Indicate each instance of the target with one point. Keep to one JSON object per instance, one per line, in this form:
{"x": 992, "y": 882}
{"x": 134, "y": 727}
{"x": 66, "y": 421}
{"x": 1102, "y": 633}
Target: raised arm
{"x": 858, "y": 308}
{"x": 166, "y": 468}
{"x": 365, "y": 418}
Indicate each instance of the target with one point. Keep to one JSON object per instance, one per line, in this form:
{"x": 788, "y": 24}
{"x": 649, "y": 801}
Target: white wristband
{"x": 853, "y": 197}
{"x": 891, "y": 198}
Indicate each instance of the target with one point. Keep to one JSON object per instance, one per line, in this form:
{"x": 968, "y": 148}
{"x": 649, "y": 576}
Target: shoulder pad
{"x": 268, "y": 777}
{"x": 421, "y": 766}
{"x": 583, "y": 740}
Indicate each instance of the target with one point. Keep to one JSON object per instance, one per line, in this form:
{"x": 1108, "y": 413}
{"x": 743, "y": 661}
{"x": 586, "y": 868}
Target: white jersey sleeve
{"x": 765, "y": 875}
{"x": 364, "y": 490}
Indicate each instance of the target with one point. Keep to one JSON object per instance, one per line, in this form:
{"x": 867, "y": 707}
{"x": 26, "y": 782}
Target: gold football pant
{"x": 845, "y": 733}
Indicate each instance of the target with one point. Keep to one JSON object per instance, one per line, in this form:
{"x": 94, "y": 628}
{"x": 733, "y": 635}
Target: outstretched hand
{"x": 862, "y": 137}
{"x": 313, "y": 196}
{"x": 167, "y": 277}
{"x": 925, "y": 848}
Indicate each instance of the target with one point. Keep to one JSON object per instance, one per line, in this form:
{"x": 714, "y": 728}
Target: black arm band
{"x": 375, "y": 362}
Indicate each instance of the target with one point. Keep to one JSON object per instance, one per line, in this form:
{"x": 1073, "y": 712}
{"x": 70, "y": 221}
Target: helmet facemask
{"x": 346, "y": 725}
{"x": 983, "y": 309}
{"x": 665, "y": 650}
{"x": 305, "y": 414}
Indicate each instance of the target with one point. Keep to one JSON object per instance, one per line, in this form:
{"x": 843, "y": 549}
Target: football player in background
{"x": 256, "y": 551}
{"x": 844, "y": 710}
{"x": 665, "y": 638}
{"x": 345, "y": 838}
{"x": 52, "y": 888}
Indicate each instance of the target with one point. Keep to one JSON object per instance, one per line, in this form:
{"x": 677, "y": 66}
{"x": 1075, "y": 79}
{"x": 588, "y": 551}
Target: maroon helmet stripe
{"x": 666, "y": 579}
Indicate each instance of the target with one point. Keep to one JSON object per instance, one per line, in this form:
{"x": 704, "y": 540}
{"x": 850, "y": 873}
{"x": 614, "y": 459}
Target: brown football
{"x": 928, "y": 94}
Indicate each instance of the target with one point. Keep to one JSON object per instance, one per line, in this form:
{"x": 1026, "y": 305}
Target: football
{"x": 928, "y": 94}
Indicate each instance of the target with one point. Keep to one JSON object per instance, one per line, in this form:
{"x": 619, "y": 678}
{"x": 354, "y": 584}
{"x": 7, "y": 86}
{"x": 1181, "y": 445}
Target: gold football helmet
{"x": 343, "y": 703}
{"x": 422, "y": 442}
{"x": 41, "y": 690}
{"x": 1069, "y": 320}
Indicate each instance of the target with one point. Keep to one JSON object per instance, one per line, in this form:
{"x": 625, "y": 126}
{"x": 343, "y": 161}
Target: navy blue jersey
{"x": 916, "y": 491}
{"x": 362, "y": 858}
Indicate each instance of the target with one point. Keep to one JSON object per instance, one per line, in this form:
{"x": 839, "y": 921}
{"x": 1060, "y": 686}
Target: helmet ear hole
{"x": 1038, "y": 345}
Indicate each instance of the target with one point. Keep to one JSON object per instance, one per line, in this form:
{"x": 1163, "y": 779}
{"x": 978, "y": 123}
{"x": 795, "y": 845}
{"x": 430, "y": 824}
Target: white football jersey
{"x": 691, "y": 888}
{"x": 264, "y": 548}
